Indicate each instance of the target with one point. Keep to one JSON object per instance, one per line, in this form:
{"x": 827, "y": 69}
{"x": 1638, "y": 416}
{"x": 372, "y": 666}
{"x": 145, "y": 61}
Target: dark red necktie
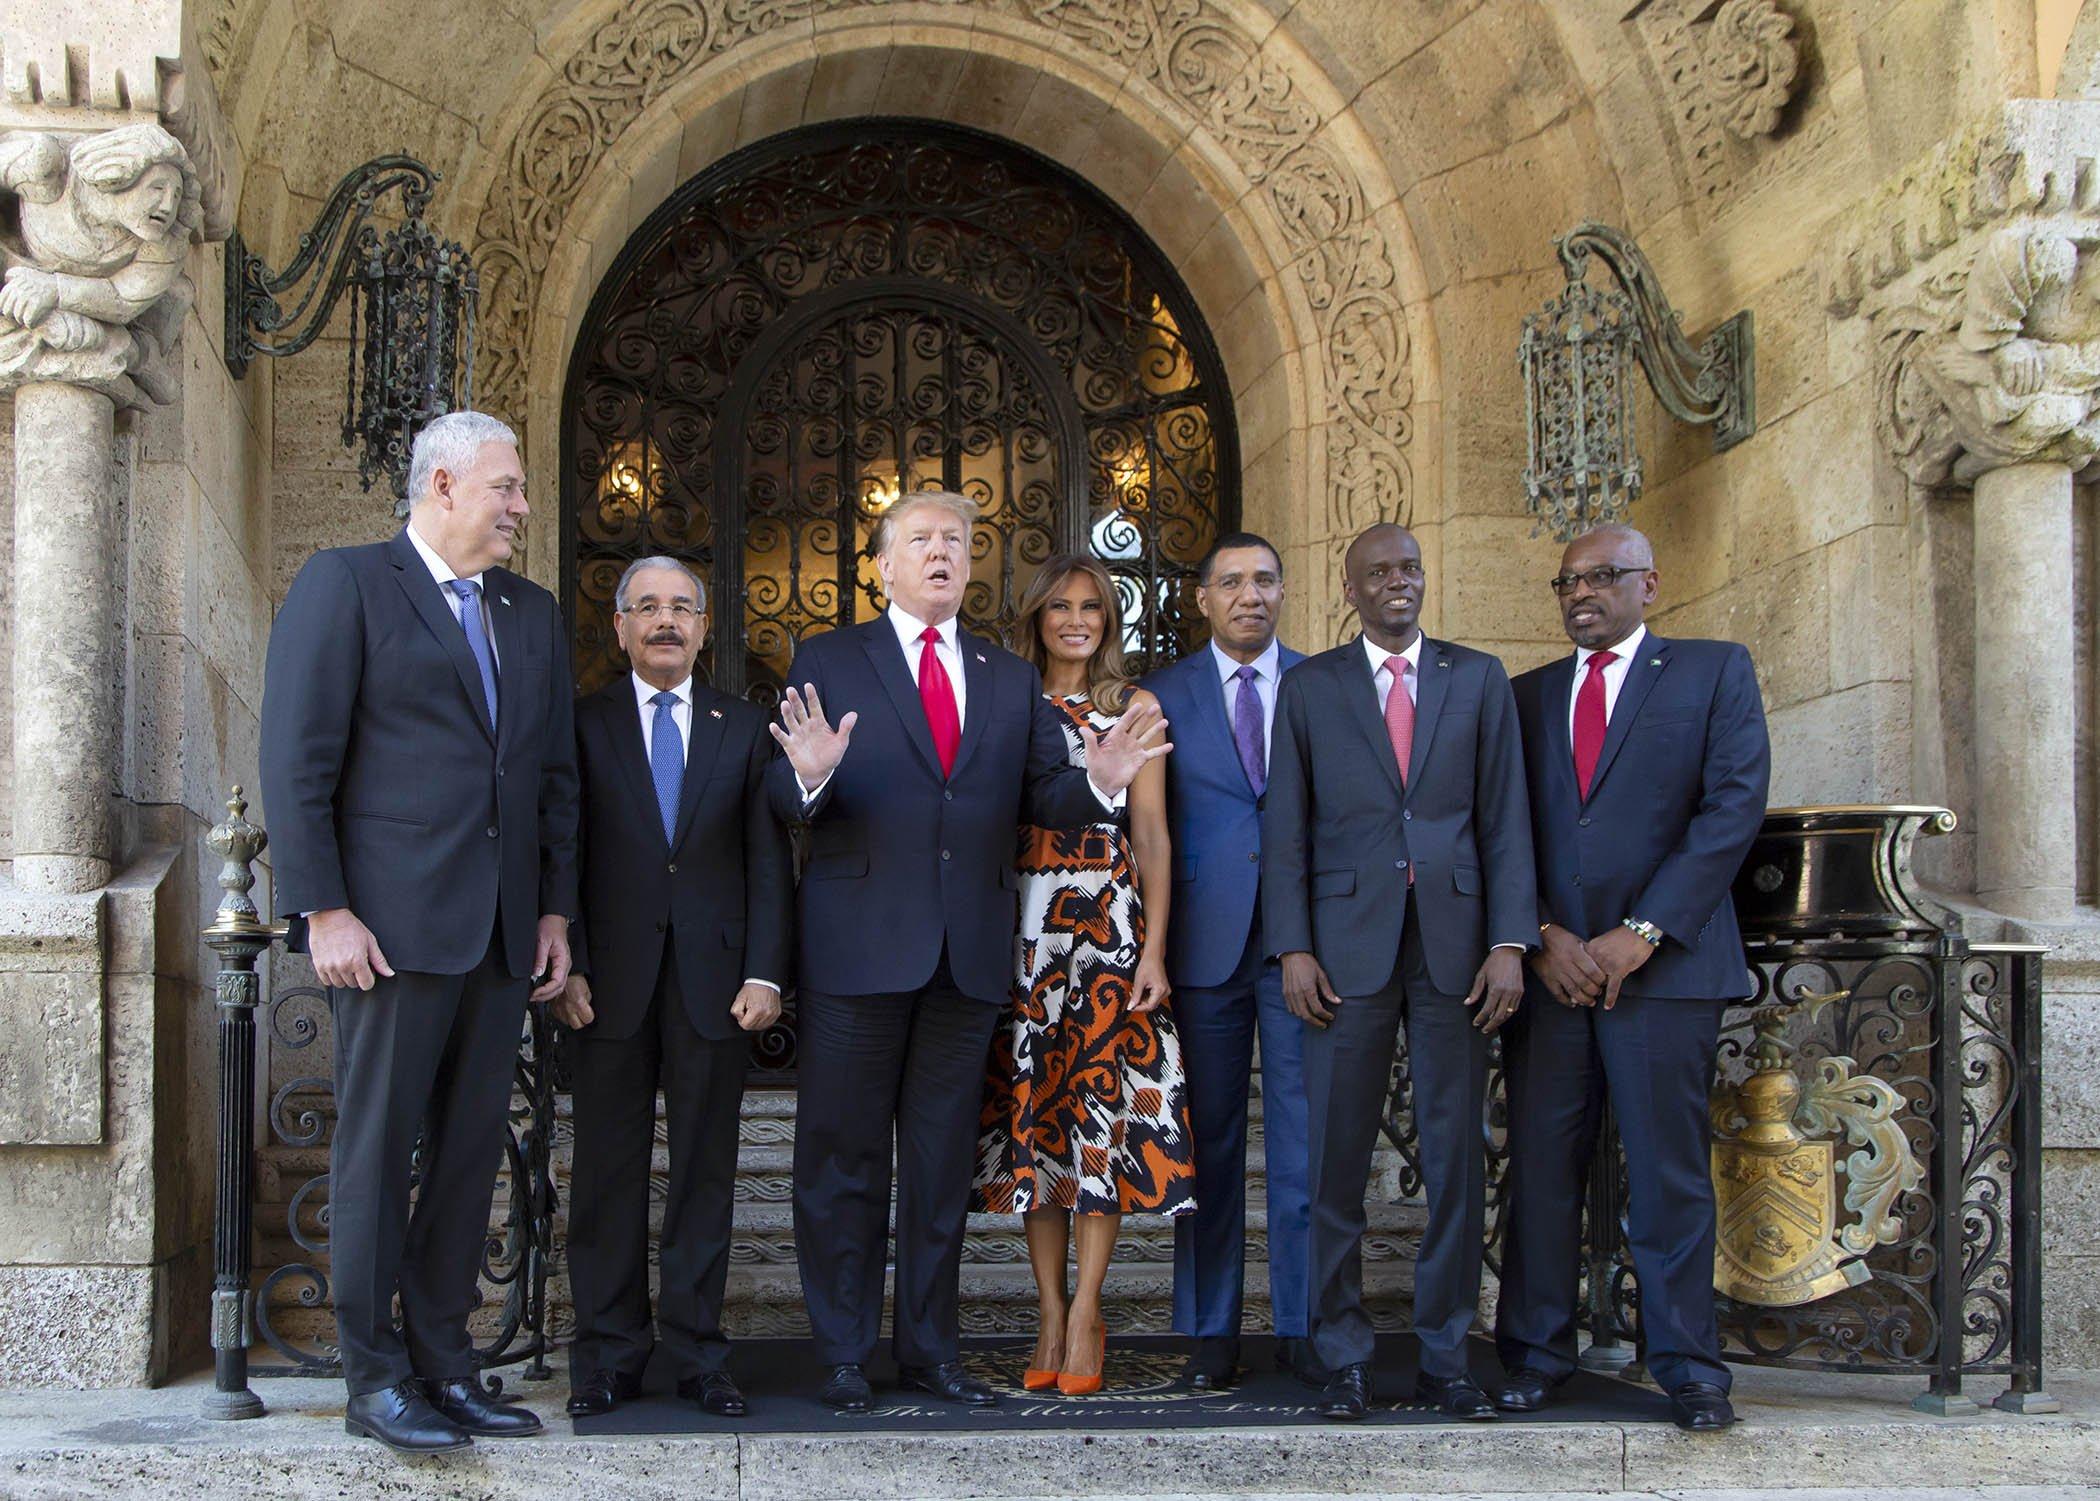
{"x": 937, "y": 694}
{"x": 1590, "y": 720}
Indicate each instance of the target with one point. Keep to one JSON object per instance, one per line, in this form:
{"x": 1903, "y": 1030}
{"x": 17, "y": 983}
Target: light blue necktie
{"x": 666, "y": 760}
{"x": 469, "y": 594}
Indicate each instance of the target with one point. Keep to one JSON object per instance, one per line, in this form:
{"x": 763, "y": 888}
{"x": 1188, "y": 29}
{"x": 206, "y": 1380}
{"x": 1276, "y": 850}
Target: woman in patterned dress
{"x": 1086, "y": 1111}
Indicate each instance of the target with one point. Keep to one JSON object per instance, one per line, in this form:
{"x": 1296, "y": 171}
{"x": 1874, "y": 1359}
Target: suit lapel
{"x": 429, "y": 602}
{"x": 703, "y": 745}
{"x": 1360, "y": 697}
{"x": 1432, "y": 677}
{"x": 977, "y": 695}
{"x": 878, "y": 639}
{"x": 623, "y": 724}
{"x": 1209, "y": 694}
{"x": 1554, "y": 689}
{"x": 1641, "y": 674}
{"x": 510, "y": 649}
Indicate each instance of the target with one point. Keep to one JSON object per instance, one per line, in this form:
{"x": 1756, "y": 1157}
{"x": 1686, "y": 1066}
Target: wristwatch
{"x": 1647, "y": 930}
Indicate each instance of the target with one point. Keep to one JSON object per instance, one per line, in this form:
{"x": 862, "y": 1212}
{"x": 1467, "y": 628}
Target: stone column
{"x": 2026, "y": 835}
{"x": 68, "y": 600}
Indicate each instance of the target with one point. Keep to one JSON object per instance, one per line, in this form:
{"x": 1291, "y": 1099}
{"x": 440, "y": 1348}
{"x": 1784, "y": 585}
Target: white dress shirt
{"x": 948, "y": 650}
{"x": 442, "y": 572}
{"x": 682, "y": 716}
{"x": 1412, "y": 676}
{"x": 1383, "y": 680}
{"x": 1268, "y": 667}
{"x": 1614, "y": 673}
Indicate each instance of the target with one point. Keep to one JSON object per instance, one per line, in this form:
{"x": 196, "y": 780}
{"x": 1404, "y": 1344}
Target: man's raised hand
{"x": 1114, "y": 760}
{"x": 813, "y": 747}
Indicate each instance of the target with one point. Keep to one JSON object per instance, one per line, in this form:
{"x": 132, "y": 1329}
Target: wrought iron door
{"x": 849, "y": 311}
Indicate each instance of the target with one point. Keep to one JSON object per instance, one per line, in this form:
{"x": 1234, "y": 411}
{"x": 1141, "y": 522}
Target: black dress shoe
{"x": 466, "y": 1404}
{"x": 1294, "y": 1354}
{"x": 1701, "y": 1407}
{"x": 846, "y": 1388}
{"x": 401, "y": 1417}
{"x": 1456, "y": 1397}
{"x": 1213, "y": 1365}
{"x": 600, "y": 1392}
{"x": 1347, "y": 1395}
{"x": 1523, "y": 1390}
{"x": 716, "y": 1392}
{"x": 948, "y": 1381}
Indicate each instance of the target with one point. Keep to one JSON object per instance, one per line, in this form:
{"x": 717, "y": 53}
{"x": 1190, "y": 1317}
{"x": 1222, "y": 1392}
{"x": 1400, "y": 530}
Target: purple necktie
{"x": 1246, "y": 732}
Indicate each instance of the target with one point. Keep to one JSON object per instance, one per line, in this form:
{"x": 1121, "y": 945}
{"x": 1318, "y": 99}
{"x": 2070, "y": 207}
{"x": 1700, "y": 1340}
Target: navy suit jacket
{"x": 901, "y": 859}
{"x": 1215, "y": 822}
{"x": 1676, "y": 799}
{"x": 1340, "y": 828}
{"x": 722, "y": 884}
{"x": 384, "y": 788}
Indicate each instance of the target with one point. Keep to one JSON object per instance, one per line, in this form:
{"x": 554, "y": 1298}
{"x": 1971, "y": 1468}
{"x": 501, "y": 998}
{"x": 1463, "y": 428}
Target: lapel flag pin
{"x": 978, "y": 655}
{"x": 1655, "y": 661}
{"x": 504, "y": 597}
{"x": 714, "y": 713}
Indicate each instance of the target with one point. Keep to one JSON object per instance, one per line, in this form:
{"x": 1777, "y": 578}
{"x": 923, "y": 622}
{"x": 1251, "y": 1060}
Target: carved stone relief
{"x": 1196, "y": 50}
{"x": 94, "y": 293}
{"x": 1729, "y": 70}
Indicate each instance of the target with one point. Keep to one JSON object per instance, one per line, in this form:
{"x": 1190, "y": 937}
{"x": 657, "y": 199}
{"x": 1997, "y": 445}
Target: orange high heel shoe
{"x": 1086, "y": 1386}
{"x": 1034, "y": 1380}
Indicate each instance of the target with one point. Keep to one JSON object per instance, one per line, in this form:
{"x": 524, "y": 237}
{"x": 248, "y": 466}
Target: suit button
{"x": 1399, "y": 865}
{"x": 659, "y": 927}
{"x": 1584, "y": 822}
{"x": 494, "y": 832}
{"x": 1255, "y": 856}
{"x": 671, "y": 870}
{"x": 947, "y": 796}
{"x": 944, "y": 854}
{"x": 1407, "y": 814}
{"x": 1578, "y": 880}
{"x": 499, "y": 771}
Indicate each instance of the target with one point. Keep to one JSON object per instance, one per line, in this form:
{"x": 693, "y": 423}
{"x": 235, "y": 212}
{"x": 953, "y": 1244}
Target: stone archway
{"x": 1226, "y": 144}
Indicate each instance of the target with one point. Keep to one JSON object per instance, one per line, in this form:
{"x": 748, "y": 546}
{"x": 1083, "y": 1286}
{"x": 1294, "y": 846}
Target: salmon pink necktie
{"x": 1400, "y": 721}
{"x": 1589, "y": 720}
{"x": 937, "y": 695}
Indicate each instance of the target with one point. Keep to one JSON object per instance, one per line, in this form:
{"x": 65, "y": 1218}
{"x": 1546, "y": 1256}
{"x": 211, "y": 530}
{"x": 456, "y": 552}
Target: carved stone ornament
{"x": 1199, "y": 52}
{"x": 1998, "y": 361}
{"x": 1749, "y": 65}
{"x": 97, "y": 231}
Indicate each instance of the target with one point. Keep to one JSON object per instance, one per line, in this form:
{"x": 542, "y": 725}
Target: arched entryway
{"x": 849, "y": 311}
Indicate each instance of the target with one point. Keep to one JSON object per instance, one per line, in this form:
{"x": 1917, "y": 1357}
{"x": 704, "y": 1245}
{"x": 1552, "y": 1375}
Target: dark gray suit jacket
{"x": 384, "y": 788}
{"x": 1339, "y": 833}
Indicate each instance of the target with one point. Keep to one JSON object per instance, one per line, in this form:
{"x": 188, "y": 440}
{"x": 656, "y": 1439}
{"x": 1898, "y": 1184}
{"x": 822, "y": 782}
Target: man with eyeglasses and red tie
{"x": 1648, "y": 763}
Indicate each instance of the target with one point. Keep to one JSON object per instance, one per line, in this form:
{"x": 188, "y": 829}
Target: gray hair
{"x": 450, "y": 443}
{"x": 961, "y": 507}
{"x": 659, "y": 561}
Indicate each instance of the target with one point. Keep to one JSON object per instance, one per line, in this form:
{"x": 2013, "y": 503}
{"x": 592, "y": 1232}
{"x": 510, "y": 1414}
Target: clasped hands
{"x": 815, "y": 746}
{"x": 347, "y": 956}
{"x": 1497, "y": 989}
{"x": 1576, "y": 973}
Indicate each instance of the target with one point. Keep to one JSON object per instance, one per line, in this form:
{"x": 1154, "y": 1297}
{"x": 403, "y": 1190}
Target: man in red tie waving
{"x": 914, "y": 752}
{"x": 1648, "y": 763}
{"x": 1396, "y": 886}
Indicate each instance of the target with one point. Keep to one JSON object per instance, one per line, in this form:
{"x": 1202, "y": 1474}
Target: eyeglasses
{"x": 1599, "y": 579}
{"x": 649, "y": 609}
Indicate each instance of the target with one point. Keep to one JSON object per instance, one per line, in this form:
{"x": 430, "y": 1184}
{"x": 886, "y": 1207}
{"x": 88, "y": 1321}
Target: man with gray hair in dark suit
{"x": 419, "y": 778}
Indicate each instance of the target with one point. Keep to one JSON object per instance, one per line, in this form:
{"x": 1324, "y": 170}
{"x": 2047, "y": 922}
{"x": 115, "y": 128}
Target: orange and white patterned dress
{"x": 1086, "y": 1108}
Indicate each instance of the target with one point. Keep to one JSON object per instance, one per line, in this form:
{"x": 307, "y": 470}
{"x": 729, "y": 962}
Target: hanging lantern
{"x": 1577, "y": 354}
{"x": 412, "y": 305}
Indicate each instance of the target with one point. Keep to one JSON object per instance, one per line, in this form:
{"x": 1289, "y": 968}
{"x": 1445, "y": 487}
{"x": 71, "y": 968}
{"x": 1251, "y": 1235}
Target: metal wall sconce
{"x": 1577, "y": 354}
{"x": 412, "y": 304}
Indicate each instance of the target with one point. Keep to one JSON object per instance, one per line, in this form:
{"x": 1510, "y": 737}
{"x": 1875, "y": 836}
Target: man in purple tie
{"x": 1222, "y": 698}
{"x": 1397, "y": 885}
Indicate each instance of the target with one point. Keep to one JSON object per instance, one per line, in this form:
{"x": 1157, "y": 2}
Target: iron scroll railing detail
{"x": 297, "y": 1119}
{"x": 1919, "y": 1056}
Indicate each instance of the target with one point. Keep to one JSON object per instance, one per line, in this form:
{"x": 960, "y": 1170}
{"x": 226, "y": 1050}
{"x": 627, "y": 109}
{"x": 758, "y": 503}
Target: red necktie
{"x": 937, "y": 694}
{"x": 1589, "y": 720}
{"x": 1400, "y": 722}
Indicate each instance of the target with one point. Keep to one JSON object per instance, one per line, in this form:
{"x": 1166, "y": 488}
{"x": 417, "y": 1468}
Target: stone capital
{"x": 89, "y": 65}
{"x": 1978, "y": 269}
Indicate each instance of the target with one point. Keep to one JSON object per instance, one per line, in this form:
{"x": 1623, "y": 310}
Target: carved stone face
{"x": 148, "y": 208}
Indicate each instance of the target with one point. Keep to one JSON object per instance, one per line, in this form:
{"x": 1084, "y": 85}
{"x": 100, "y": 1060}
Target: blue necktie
{"x": 1246, "y": 732}
{"x": 666, "y": 760}
{"x": 469, "y": 594}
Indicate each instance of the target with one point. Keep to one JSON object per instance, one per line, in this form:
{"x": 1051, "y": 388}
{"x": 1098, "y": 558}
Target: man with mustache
{"x": 419, "y": 782}
{"x": 1397, "y": 884}
{"x": 943, "y": 745}
{"x": 1226, "y": 987}
{"x": 681, "y": 953}
{"x": 1649, "y": 763}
